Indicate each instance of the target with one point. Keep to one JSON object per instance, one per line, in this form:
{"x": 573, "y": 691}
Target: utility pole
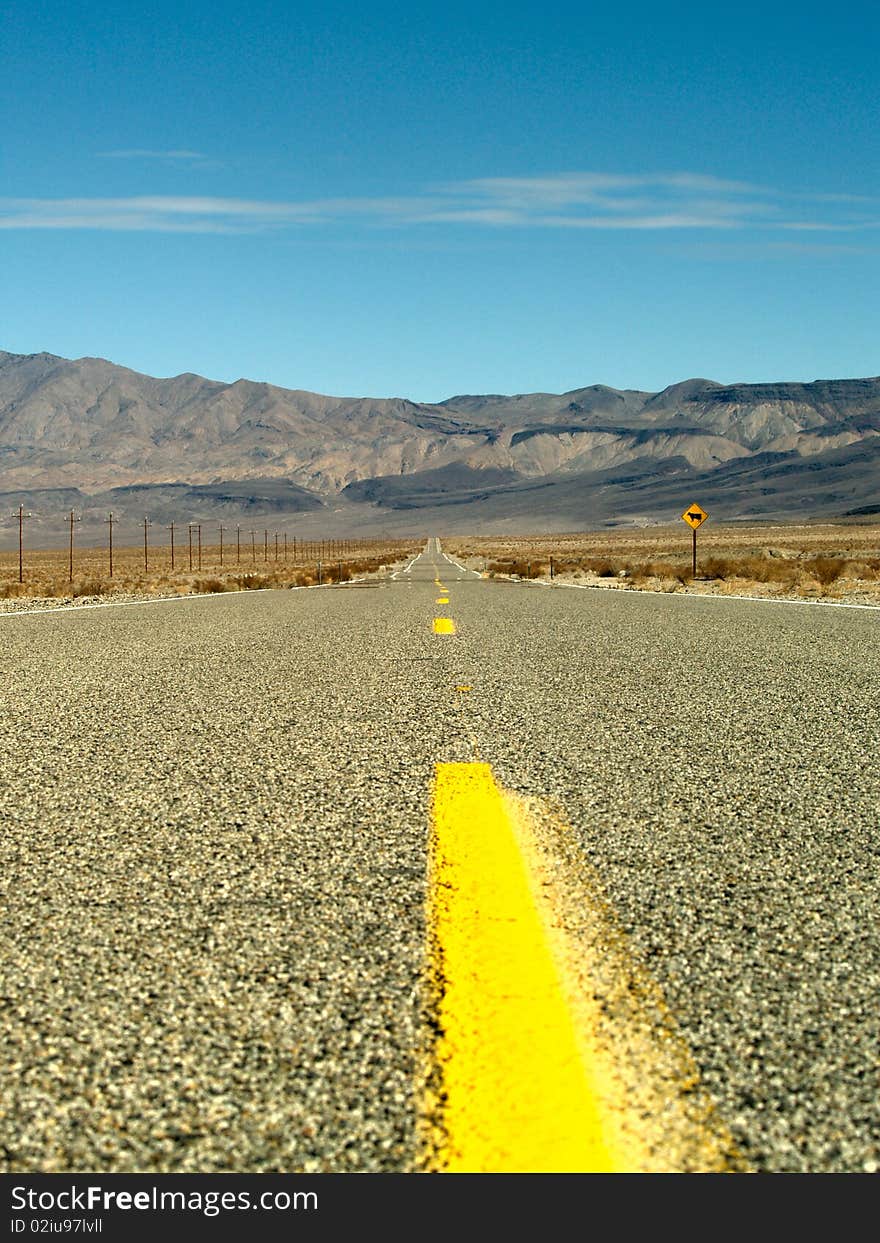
{"x": 73, "y": 519}
{"x": 221, "y": 529}
{"x": 147, "y": 523}
{"x": 199, "y": 528}
{"x": 21, "y": 517}
{"x": 190, "y": 530}
{"x": 265, "y": 545}
{"x": 171, "y": 529}
{"x": 276, "y": 545}
{"x": 238, "y": 545}
{"x": 285, "y": 548}
{"x": 109, "y": 522}
{"x": 253, "y": 547}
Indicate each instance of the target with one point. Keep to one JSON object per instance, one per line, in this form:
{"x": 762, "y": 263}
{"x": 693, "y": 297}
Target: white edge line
{"x": 459, "y": 566}
{"x": 466, "y": 569}
{"x": 699, "y": 595}
{"x": 406, "y": 569}
{"x": 127, "y": 604}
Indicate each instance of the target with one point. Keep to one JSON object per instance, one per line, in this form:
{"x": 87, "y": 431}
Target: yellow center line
{"x": 444, "y": 625}
{"x": 442, "y": 600}
{"x": 518, "y": 1092}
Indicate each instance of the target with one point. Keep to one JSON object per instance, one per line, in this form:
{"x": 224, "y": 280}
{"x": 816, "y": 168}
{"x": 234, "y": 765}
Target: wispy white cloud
{"x": 141, "y": 153}
{"x": 595, "y": 188}
{"x": 153, "y": 213}
{"x": 568, "y": 200}
{"x": 826, "y": 226}
{"x": 667, "y": 220}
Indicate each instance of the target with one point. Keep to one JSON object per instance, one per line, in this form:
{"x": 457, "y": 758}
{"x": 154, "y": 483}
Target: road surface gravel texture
{"x": 214, "y": 857}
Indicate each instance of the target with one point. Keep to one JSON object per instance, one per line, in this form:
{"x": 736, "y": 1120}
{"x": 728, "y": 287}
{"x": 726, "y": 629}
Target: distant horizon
{"x": 391, "y": 396}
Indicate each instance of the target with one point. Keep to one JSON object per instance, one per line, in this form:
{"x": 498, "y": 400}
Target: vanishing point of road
{"x": 440, "y": 873}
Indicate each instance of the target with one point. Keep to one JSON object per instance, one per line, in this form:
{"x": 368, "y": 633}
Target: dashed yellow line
{"x": 444, "y": 625}
{"x": 517, "y": 1090}
{"x": 442, "y": 600}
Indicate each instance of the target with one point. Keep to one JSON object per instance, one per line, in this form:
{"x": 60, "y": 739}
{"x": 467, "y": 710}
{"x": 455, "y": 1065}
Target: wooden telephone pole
{"x": 21, "y": 517}
{"x": 72, "y": 520}
{"x": 109, "y": 522}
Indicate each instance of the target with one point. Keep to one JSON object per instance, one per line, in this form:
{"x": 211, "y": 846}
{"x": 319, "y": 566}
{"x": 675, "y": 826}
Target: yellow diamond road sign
{"x": 694, "y": 516}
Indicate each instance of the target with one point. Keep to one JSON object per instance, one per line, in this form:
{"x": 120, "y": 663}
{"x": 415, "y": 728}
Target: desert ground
{"x": 811, "y": 561}
{"x": 47, "y": 581}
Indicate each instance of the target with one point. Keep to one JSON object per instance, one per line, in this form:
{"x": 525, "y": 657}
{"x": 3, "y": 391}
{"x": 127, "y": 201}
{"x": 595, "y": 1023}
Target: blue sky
{"x": 426, "y": 200}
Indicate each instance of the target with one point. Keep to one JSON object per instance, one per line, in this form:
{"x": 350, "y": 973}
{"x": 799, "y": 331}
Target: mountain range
{"x": 90, "y": 435}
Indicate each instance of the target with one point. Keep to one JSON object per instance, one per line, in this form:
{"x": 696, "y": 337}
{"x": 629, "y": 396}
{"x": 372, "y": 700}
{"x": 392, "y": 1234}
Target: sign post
{"x": 694, "y": 516}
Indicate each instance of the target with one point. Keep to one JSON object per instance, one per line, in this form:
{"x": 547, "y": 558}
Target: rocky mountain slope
{"x": 92, "y": 435}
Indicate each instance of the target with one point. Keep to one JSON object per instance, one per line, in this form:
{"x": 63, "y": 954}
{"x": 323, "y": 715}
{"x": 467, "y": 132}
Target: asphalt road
{"x": 214, "y": 857}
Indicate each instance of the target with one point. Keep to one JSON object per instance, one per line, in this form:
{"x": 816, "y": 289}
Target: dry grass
{"x": 47, "y": 574}
{"x": 807, "y": 561}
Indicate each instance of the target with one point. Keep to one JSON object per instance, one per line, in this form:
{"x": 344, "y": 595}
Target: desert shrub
{"x": 90, "y": 587}
{"x": 11, "y": 591}
{"x": 600, "y": 566}
{"x": 714, "y": 567}
{"x": 658, "y": 569}
{"x": 866, "y": 569}
{"x": 751, "y": 568}
{"x": 527, "y": 569}
{"x": 769, "y": 570}
{"x": 825, "y": 570}
{"x": 333, "y": 572}
{"x": 53, "y": 588}
{"x": 249, "y": 582}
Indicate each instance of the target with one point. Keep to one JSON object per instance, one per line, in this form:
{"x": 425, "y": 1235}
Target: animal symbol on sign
{"x": 694, "y": 515}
